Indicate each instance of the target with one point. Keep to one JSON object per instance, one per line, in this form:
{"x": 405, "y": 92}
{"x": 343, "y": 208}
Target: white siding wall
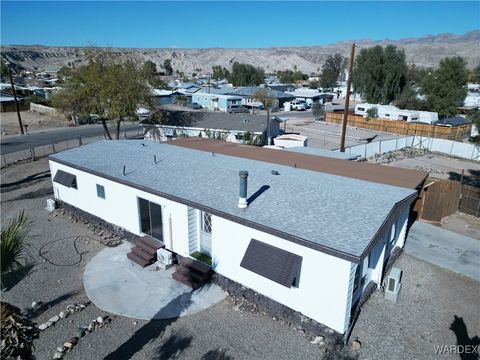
{"x": 120, "y": 206}
{"x": 324, "y": 280}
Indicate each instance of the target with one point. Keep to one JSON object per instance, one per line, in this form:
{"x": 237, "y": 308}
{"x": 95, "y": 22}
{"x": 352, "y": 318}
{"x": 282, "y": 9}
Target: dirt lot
{"x": 440, "y": 166}
{"x": 35, "y": 121}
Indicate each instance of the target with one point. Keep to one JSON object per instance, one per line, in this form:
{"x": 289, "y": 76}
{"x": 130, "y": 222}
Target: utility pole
{"x": 347, "y": 100}
{"x": 16, "y": 101}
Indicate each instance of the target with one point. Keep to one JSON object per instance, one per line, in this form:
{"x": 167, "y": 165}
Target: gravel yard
{"x": 430, "y": 299}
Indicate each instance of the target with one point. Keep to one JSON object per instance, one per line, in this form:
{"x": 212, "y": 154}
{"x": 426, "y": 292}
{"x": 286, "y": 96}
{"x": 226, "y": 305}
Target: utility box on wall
{"x": 394, "y": 284}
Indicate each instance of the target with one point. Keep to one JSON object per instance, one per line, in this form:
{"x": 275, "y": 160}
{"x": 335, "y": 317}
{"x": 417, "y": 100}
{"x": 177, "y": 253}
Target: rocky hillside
{"x": 425, "y": 51}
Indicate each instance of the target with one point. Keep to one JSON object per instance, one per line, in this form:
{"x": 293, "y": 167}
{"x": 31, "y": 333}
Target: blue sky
{"x": 227, "y": 24}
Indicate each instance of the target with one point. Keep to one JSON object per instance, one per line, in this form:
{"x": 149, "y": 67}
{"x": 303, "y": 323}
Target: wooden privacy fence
{"x": 440, "y": 198}
{"x": 470, "y": 201}
{"x": 402, "y": 127}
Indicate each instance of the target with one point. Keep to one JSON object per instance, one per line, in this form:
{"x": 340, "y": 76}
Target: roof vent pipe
{"x": 242, "y": 200}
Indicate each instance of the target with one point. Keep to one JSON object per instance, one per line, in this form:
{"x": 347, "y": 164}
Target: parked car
{"x": 194, "y": 106}
{"x": 298, "y": 105}
{"x": 237, "y": 109}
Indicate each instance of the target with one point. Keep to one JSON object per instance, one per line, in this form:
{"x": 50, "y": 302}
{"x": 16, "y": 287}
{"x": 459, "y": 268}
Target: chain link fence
{"x": 39, "y": 151}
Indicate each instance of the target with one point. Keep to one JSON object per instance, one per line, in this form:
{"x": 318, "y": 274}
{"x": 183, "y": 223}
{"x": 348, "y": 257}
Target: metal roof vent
{"x": 242, "y": 199}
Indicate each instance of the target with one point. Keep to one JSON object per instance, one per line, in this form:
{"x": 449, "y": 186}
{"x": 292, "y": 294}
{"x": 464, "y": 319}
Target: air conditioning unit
{"x": 394, "y": 284}
{"x": 164, "y": 259}
{"x": 51, "y": 205}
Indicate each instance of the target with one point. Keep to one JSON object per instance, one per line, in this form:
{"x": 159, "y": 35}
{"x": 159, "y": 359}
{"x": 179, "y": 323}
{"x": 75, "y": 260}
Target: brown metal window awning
{"x": 66, "y": 179}
{"x": 272, "y": 263}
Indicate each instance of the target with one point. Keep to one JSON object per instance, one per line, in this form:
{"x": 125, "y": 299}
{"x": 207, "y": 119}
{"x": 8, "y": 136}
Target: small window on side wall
{"x": 100, "y": 191}
{"x": 392, "y": 233}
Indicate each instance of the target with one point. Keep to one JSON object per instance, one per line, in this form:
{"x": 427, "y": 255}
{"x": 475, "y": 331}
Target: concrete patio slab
{"x": 115, "y": 284}
{"x": 444, "y": 248}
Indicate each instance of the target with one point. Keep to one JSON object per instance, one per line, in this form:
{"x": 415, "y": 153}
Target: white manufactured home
{"x": 306, "y": 231}
{"x": 394, "y": 113}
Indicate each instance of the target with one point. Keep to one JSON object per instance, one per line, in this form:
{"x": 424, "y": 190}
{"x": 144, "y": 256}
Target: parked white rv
{"x": 428, "y": 117}
{"x": 394, "y": 113}
{"x": 361, "y": 109}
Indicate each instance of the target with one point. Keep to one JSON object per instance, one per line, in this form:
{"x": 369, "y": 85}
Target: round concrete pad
{"x": 117, "y": 285}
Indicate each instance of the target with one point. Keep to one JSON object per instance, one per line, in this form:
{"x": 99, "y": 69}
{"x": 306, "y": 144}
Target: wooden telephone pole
{"x": 347, "y": 100}
{"x": 16, "y": 101}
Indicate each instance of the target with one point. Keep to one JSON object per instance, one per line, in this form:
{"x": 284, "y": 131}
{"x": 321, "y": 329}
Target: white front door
{"x": 205, "y": 244}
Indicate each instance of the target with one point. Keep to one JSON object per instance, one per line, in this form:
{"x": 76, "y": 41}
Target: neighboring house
{"x": 312, "y": 96}
{"x": 231, "y": 127}
{"x": 164, "y": 97}
{"x": 247, "y": 94}
{"x": 7, "y": 103}
{"x": 216, "y": 101}
{"x": 310, "y": 232}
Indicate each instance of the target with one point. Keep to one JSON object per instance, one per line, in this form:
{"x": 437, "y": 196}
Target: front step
{"x": 138, "y": 260}
{"x": 149, "y": 244}
{"x": 192, "y": 273}
{"x": 144, "y": 252}
{"x": 140, "y": 252}
{"x": 184, "y": 279}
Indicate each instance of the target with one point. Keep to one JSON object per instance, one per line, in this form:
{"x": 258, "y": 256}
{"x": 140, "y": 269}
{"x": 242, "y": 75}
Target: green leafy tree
{"x": 104, "y": 87}
{"x": 219, "y": 73}
{"x": 290, "y": 77}
{"x": 446, "y": 87}
{"x": 415, "y": 74}
{"x": 246, "y": 75}
{"x": 331, "y": 70}
{"x": 314, "y": 84}
{"x": 380, "y": 73}
{"x": 372, "y": 113}
{"x": 474, "y": 76}
{"x": 167, "y": 65}
{"x": 268, "y": 101}
{"x": 408, "y": 99}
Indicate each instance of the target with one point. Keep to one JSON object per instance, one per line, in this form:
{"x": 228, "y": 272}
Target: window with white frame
{"x": 206, "y": 222}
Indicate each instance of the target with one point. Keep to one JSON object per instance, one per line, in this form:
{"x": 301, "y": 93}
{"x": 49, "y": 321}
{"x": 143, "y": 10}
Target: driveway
{"x": 444, "y": 248}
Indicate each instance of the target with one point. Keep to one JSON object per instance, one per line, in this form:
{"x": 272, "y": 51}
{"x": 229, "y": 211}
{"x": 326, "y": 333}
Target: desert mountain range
{"x": 425, "y": 51}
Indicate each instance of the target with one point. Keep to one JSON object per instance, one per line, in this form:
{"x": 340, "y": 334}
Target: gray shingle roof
{"x": 338, "y": 215}
{"x": 217, "y": 120}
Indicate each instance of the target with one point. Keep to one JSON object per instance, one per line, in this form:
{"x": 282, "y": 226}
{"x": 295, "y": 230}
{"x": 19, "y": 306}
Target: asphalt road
{"x": 444, "y": 248}
{"x": 10, "y": 144}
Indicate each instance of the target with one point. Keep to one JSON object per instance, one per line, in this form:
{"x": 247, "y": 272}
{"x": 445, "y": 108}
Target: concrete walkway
{"x": 444, "y": 248}
{"x": 115, "y": 284}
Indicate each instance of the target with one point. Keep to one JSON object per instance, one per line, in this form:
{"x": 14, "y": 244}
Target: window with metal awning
{"x": 278, "y": 265}
{"x": 66, "y": 179}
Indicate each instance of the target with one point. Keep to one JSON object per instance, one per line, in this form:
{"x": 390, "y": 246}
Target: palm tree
{"x": 14, "y": 244}
{"x": 16, "y": 330}
{"x": 264, "y": 96}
